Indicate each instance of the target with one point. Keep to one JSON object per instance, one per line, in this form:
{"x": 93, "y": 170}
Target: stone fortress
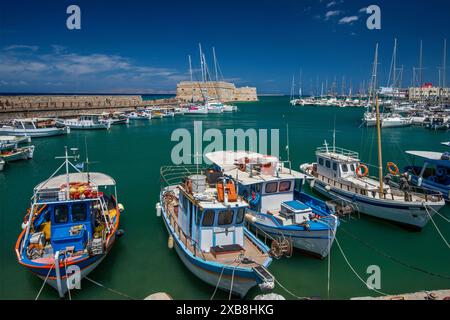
{"x": 217, "y": 90}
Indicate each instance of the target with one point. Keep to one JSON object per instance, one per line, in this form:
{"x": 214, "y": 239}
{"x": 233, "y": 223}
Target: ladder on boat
{"x": 267, "y": 279}
{"x": 105, "y": 213}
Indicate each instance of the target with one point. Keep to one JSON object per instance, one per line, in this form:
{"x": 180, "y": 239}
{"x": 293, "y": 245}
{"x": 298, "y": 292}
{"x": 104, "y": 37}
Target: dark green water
{"x": 141, "y": 263}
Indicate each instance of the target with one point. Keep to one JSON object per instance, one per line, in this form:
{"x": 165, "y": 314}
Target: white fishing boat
{"x": 86, "y": 122}
{"x": 229, "y": 108}
{"x": 277, "y": 205}
{"x": 440, "y": 122}
{"x": 17, "y": 153}
{"x": 207, "y": 229}
{"x": 33, "y": 127}
{"x": 115, "y": 118}
{"x": 139, "y": 115}
{"x": 4, "y": 140}
{"x": 339, "y": 174}
{"x": 395, "y": 121}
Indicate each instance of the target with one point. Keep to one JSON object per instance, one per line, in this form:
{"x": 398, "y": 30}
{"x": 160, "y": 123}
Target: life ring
{"x": 362, "y": 174}
{"x": 393, "y": 169}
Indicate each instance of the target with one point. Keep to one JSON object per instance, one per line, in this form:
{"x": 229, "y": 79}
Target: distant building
{"x": 220, "y": 90}
{"x": 428, "y": 92}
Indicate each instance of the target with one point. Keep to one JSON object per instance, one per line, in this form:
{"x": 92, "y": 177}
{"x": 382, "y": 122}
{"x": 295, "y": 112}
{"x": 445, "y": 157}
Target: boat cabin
{"x": 435, "y": 169}
{"x": 211, "y": 214}
{"x": 337, "y": 163}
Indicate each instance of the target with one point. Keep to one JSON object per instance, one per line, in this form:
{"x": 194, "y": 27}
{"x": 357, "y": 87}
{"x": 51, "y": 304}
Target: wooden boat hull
{"x": 34, "y": 133}
{"x": 413, "y": 215}
{"x": 19, "y": 154}
{"x": 237, "y": 280}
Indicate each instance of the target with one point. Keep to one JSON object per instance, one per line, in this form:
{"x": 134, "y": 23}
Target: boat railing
{"x": 174, "y": 175}
{"x": 340, "y": 151}
{"x": 390, "y": 194}
{"x": 187, "y": 239}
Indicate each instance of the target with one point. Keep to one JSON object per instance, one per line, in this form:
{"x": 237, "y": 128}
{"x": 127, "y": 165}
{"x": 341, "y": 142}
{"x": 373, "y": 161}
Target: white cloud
{"x": 332, "y": 3}
{"x": 363, "y": 10}
{"x": 348, "y": 20}
{"x": 332, "y": 13}
{"x": 21, "y": 47}
{"x": 64, "y": 70}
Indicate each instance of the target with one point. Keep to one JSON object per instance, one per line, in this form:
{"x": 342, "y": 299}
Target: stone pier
{"x": 70, "y": 105}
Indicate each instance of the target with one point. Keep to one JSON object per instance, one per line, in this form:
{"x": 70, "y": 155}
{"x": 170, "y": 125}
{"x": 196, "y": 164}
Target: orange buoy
{"x": 393, "y": 169}
{"x": 364, "y": 173}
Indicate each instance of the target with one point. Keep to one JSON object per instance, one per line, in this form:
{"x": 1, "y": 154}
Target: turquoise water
{"x": 141, "y": 264}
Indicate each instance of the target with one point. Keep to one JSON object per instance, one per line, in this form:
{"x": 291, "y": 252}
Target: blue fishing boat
{"x": 277, "y": 205}
{"x": 207, "y": 229}
{"x": 433, "y": 173}
{"x": 70, "y": 227}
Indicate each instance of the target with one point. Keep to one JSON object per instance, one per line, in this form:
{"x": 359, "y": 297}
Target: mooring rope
{"x": 289, "y": 292}
{"x": 67, "y": 277}
{"x": 217, "y": 285}
{"x": 42, "y": 287}
{"x": 439, "y": 214}
{"x": 437, "y": 228}
{"x": 356, "y": 273}
{"x": 394, "y": 259}
{"x": 109, "y": 289}
{"x": 232, "y": 280}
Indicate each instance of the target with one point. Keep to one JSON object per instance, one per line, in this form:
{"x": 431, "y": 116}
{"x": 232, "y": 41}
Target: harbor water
{"x": 141, "y": 263}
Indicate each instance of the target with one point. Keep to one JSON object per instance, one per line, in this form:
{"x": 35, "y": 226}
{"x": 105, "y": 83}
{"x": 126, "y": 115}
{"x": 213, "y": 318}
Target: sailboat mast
{"x": 421, "y": 64}
{"x": 215, "y": 64}
{"x": 444, "y": 65}
{"x": 67, "y": 173}
{"x": 380, "y": 154}
{"x": 190, "y": 67}
{"x": 201, "y": 62}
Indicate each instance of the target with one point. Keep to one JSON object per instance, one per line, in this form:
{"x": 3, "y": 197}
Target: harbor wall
{"x": 221, "y": 90}
{"x": 64, "y": 106}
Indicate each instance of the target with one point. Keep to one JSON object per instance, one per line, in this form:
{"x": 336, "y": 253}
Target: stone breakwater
{"x": 65, "y": 106}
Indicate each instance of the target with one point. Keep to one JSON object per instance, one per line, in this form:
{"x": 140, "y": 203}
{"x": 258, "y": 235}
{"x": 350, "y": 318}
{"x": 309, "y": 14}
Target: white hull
{"x": 84, "y": 273}
{"x": 2, "y": 164}
{"x": 407, "y": 213}
{"x": 396, "y": 123}
{"x": 35, "y": 133}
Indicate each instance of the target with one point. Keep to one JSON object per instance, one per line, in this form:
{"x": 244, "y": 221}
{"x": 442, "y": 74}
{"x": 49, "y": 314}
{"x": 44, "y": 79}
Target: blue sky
{"x": 142, "y": 46}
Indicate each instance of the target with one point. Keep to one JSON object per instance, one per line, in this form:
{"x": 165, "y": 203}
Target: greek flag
{"x": 80, "y": 166}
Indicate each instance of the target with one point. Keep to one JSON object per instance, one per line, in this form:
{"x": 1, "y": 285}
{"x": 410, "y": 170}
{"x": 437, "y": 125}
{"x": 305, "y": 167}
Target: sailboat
{"x": 339, "y": 174}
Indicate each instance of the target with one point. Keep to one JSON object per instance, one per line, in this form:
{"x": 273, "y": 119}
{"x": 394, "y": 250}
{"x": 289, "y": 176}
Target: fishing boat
{"x": 277, "y": 205}
{"x": 15, "y": 153}
{"x": 433, "y": 173}
{"x": 139, "y": 115}
{"x": 440, "y": 122}
{"x": 339, "y": 174}
{"x": 115, "y": 118}
{"x": 33, "y": 127}
{"x": 86, "y": 122}
{"x": 157, "y": 114}
{"x": 229, "y": 108}
{"x": 167, "y": 113}
{"x": 6, "y": 140}
{"x": 207, "y": 229}
{"x": 70, "y": 227}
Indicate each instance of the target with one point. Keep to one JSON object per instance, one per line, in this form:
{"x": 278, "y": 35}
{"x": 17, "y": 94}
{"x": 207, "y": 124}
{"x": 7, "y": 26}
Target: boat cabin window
{"x": 285, "y": 186}
{"x": 335, "y": 166}
{"x": 271, "y": 187}
{"x": 208, "y": 218}
{"x": 240, "y": 215}
{"x": 321, "y": 161}
{"x": 328, "y": 164}
{"x": 344, "y": 168}
{"x": 225, "y": 217}
{"x": 352, "y": 167}
{"x": 61, "y": 214}
{"x": 79, "y": 212}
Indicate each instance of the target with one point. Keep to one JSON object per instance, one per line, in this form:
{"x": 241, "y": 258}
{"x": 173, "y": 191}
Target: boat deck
{"x": 251, "y": 250}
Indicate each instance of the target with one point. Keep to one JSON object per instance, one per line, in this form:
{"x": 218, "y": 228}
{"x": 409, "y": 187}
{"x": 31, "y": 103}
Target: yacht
{"x": 395, "y": 121}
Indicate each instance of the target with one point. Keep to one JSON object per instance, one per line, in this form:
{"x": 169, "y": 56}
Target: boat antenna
{"x": 287, "y": 142}
{"x": 66, "y": 158}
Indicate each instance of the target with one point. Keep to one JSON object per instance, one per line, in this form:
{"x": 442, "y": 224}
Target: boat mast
{"x": 444, "y": 65}
{"x": 201, "y": 62}
{"x": 215, "y": 64}
{"x": 421, "y": 64}
{"x": 380, "y": 155}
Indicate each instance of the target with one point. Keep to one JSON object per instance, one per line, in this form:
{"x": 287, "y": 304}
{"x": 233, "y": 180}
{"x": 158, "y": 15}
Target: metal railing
{"x": 174, "y": 175}
{"x": 407, "y": 195}
{"x": 340, "y": 151}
